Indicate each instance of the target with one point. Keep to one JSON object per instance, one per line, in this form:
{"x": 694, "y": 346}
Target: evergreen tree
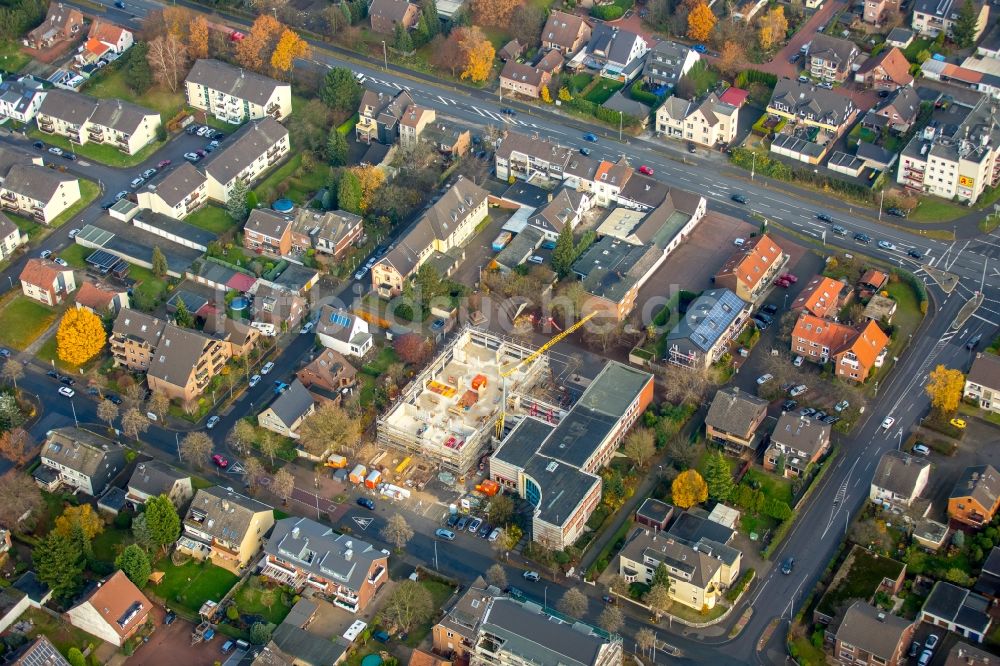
{"x": 162, "y": 521}
{"x": 138, "y": 74}
{"x": 336, "y": 148}
{"x": 421, "y": 34}
{"x": 349, "y": 192}
{"x": 183, "y": 316}
{"x": 59, "y": 564}
{"x": 134, "y": 562}
{"x": 661, "y": 576}
{"x": 402, "y": 42}
{"x": 431, "y": 18}
{"x": 564, "y": 252}
{"x": 340, "y": 90}
{"x": 964, "y": 29}
{"x": 159, "y": 262}
{"x": 719, "y": 477}
{"x": 236, "y": 205}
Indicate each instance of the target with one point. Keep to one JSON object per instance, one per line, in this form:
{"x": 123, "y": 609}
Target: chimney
{"x": 295, "y": 532}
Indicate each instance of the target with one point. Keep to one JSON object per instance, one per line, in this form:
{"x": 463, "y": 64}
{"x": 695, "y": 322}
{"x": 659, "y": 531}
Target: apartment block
{"x": 235, "y": 95}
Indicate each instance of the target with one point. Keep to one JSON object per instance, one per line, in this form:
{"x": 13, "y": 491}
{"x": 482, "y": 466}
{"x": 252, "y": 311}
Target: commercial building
{"x": 554, "y": 461}
{"x": 235, "y": 95}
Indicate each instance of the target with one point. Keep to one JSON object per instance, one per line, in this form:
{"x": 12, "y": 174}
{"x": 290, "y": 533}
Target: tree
{"x": 645, "y": 639}
{"x": 572, "y": 603}
{"x": 197, "y": 42}
{"x": 700, "y": 22}
{"x": 397, "y": 531}
{"x": 617, "y": 585}
{"x": 182, "y": 316}
{"x": 236, "y": 203}
{"x": 545, "y": 95}
{"x": 59, "y": 564}
{"x": 963, "y": 30}
{"x": 661, "y": 576}
{"x": 20, "y": 499}
{"x": 525, "y": 25}
{"x": 196, "y": 447}
{"x": 500, "y": 509}
{"x": 159, "y": 262}
{"x": 944, "y": 387}
{"x": 162, "y": 521}
{"x": 336, "y": 148}
{"x": 565, "y": 252}
{"x": 12, "y": 371}
{"x": 134, "y": 563}
{"x": 611, "y": 619}
{"x": 80, "y": 336}
{"x": 689, "y": 489}
{"x": 401, "y": 40}
{"x": 412, "y": 348}
{"x": 138, "y": 74}
{"x": 268, "y": 443}
{"x": 168, "y": 59}
{"x": 658, "y": 599}
{"x": 242, "y": 434}
{"x": 82, "y": 518}
{"x": 75, "y": 657}
{"x": 283, "y": 484}
{"x": 329, "y": 428}
{"x": 253, "y": 472}
{"x": 431, "y": 17}
{"x": 134, "y": 423}
{"x": 107, "y": 411}
{"x": 159, "y": 404}
{"x": 349, "y": 192}
{"x": 511, "y": 536}
{"x": 772, "y": 29}
{"x": 370, "y": 179}
{"x": 260, "y": 40}
{"x": 290, "y": 47}
{"x": 15, "y": 445}
{"x": 719, "y": 477}
{"x": 496, "y": 576}
{"x": 732, "y": 58}
{"x": 409, "y": 605}
{"x": 446, "y": 53}
{"x": 340, "y": 90}
{"x": 260, "y": 633}
{"x": 495, "y": 13}
{"x": 640, "y": 446}
{"x": 479, "y": 54}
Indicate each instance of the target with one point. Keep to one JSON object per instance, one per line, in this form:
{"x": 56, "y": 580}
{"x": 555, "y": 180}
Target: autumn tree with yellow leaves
{"x": 289, "y": 48}
{"x": 546, "y": 95}
{"x": 261, "y": 40}
{"x": 944, "y": 387}
{"x": 701, "y": 21}
{"x": 371, "y": 178}
{"x": 80, "y": 336}
{"x": 82, "y": 518}
{"x": 772, "y": 28}
{"x": 197, "y": 41}
{"x": 478, "y": 53}
{"x": 688, "y": 489}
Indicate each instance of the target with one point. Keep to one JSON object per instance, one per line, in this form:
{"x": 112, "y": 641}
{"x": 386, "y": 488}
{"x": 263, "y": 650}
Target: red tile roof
{"x": 115, "y": 598}
{"x": 821, "y": 297}
{"x": 41, "y": 273}
{"x": 95, "y": 296}
{"x": 734, "y": 96}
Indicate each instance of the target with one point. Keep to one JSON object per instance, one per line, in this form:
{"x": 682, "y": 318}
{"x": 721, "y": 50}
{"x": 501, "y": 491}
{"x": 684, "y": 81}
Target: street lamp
{"x": 619, "y": 127}
{"x": 385, "y": 56}
{"x": 753, "y": 164}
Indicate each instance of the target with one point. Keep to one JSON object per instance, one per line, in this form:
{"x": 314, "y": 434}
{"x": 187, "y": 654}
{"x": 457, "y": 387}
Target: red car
{"x": 164, "y": 163}
{"x": 782, "y": 282}
{"x": 236, "y": 36}
{"x": 220, "y": 461}
{"x": 645, "y": 170}
{"x": 789, "y": 278}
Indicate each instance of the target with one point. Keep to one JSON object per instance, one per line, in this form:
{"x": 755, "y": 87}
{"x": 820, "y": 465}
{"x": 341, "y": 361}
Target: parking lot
{"x": 171, "y": 645}
{"x": 979, "y": 446}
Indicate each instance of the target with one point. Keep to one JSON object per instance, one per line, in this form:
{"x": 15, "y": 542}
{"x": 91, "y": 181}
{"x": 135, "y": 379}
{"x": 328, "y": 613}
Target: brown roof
{"x": 413, "y": 115}
{"x": 563, "y": 29}
{"x": 515, "y": 71}
{"x": 874, "y": 278}
{"x": 41, "y": 272}
{"x": 985, "y": 371}
{"x": 734, "y": 411}
{"x": 114, "y": 600}
{"x": 752, "y": 262}
{"x": 821, "y": 297}
{"x": 393, "y": 10}
{"x": 872, "y": 630}
{"x": 894, "y": 63}
{"x": 839, "y": 337}
{"x": 421, "y": 658}
{"x": 97, "y": 297}
{"x": 327, "y": 371}
{"x": 511, "y": 50}
{"x": 963, "y": 654}
{"x": 800, "y": 433}
{"x": 550, "y": 62}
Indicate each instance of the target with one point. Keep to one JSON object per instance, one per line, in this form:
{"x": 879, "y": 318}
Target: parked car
{"x": 4, "y": 352}
{"x": 307, "y": 328}
{"x": 191, "y": 129}
{"x": 781, "y": 282}
{"x": 831, "y": 419}
{"x": 66, "y": 391}
{"x": 39, "y": 145}
{"x": 121, "y": 195}
{"x": 462, "y": 522}
{"x": 452, "y": 520}
{"x": 148, "y": 173}
{"x": 45, "y": 254}
{"x": 925, "y": 658}
{"x": 163, "y": 164}
{"x": 826, "y": 85}
{"x": 68, "y": 381}
{"x": 442, "y": 533}
{"x": 475, "y": 525}
{"x": 531, "y": 575}
{"x": 841, "y": 406}
{"x": 795, "y": 58}
{"x": 366, "y": 503}
{"x": 803, "y": 78}
{"x": 790, "y": 277}
{"x": 191, "y": 157}
{"x": 204, "y": 129}
{"x": 692, "y": 148}
{"x": 958, "y": 423}
{"x": 535, "y": 259}
{"x": 797, "y": 361}
{"x": 921, "y": 450}
{"x": 764, "y": 317}
{"x": 169, "y": 618}
{"x": 807, "y": 412}
{"x": 212, "y": 422}
{"x": 798, "y": 390}
{"x": 360, "y": 274}
{"x": 699, "y": 48}
{"x": 107, "y": 205}
{"x": 254, "y": 381}
{"x": 887, "y": 422}
{"x": 62, "y": 262}
{"x": 280, "y": 387}
{"x": 897, "y": 212}
{"x": 55, "y": 151}
{"x": 645, "y": 170}
{"x": 485, "y": 530}
{"x": 739, "y": 198}
{"x": 220, "y": 461}
{"x": 268, "y": 367}
{"x": 932, "y": 642}
{"x": 69, "y": 156}
{"x": 739, "y": 242}
{"x": 761, "y": 324}
{"x": 73, "y": 233}
{"x": 137, "y": 182}
{"x": 789, "y": 405}
{"x": 770, "y": 309}
{"x": 763, "y": 379}
{"x": 494, "y": 535}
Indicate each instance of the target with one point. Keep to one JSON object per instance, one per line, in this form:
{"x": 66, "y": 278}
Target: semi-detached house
{"x": 235, "y": 95}
{"x": 82, "y": 119}
{"x": 252, "y": 150}
{"x": 854, "y": 352}
{"x": 225, "y": 527}
{"x": 566, "y": 33}
{"x": 80, "y": 460}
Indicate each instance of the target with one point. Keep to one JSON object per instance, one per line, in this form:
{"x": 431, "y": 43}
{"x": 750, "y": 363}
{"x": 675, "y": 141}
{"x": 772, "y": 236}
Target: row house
{"x": 278, "y": 234}
{"x": 234, "y": 95}
{"x": 251, "y": 151}
{"x": 153, "y": 478}
{"x": 82, "y": 119}
{"x": 224, "y": 527}
{"x": 178, "y": 193}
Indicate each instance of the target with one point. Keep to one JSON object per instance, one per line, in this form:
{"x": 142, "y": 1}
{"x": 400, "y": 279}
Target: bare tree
{"x": 133, "y": 395}
{"x": 397, "y": 531}
{"x": 329, "y": 427}
{"x": 134, "y": 423}
{"x": 15, "y": 445}
{"x": 268, "y": 443}
{"x": 12, "y": 371}
{"x": 196, "y": 447}
{"x": 20, "y": 499}
{"x": 254, "y": 472}
{"x": 409, "y": 604}
{"x": 283, "y": 484}
{"x": 108, "y": 412}
{"x": 573, "y": 603}
{"x": 168, "y": 59}
{"x": 645, "y": 639}
{"x": 611, "y": 619}
{"x": 158, "y": 403}
{"x": 496, "y": 576}
{"x": 658, "y": 599}
{"x": 685, "y": 385}
{"x": 618, "y": 585}
{"x": 640, "y": 446}
{"x": 242, "y": 434}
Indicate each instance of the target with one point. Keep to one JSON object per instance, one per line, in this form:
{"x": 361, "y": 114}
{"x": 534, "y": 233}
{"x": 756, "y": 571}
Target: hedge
{"x": 607, "y": 12}
{"x": 734, "y": 592}
{"x": 767, "y": 166}
{"x": 640, "y": 94}
{"x": 748, "y": 76}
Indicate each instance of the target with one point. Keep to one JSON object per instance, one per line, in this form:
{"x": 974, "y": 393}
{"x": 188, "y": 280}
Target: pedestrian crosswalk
{"x": 499, "y": 117}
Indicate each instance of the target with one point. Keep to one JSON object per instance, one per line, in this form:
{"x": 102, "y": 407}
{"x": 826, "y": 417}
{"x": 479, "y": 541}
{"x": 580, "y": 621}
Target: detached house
{"x": 524, "y": 79}
{"x": 153, "y": 478}
{"x": 331, "y": 233}
{"x": 21, "y": 98}
{"x": 703, "y": 335}
{"x": 889, "y": 70}
{"x": 982, "y": 384}
{"x": 288, "y": 411}
{"x": 177, "y": 194}
{"x": 899, "y": 479}
{"x": 80, "y": 460}
{"x": 898, "y": 112}
{"x": 566, "y": 33}
{"x": 38, "y": 193}
{"x": 667, "y": 63}
{"x": 733, "y": 419}
{"x": 617, "y": 52}
{"x": 831, "y": 58}
{"x": 113, "y": 612}
{"x": 380, "y": 116}
{"x": 10, "y": 237}
{"x": 385, "y": 15}
{"x": 823, "y": 297}
{"x": 105, "y": 40}
{"x": 101, "y": 299}
{"x": 235, "y": 95}
{"x": 343, "y": 332}
{"x": 854, "y": 352}
{"x": 814, "y": 107}
{"x": 62, "y": 23}
{"x": 327, "y": 376}
{"x": 709, "y": 122}
{"x": 869, "y": 635}
{"x": 796, "y": 443}
{"x": 251, "y": 151}
{"x": 749, "y": 271}
{"x": 46, "y": 281}
{"x": 82, "y": 119}
{"x": 976, "y": 496}
{"x": 225, "y": 527}
{"x": 932, "y": 16}
{"x": 304, "y": 554}
{"x": 268, "y": 231}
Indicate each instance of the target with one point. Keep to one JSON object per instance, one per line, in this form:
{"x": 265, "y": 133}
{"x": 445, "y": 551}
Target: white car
{"x": 886, "y": 245}
{"x": 797, "y": 362}
{"x": 798, "y": 390}
{"x": 254, "y": 380}
{"x": 763, "y": 379}
{"x": 137, "y": 182}
{"x": 55, "y": 151}
{"x": 148, "y": 173}
{"x": 45, "y": 254}
{"x": 66, "y": 391}
{"x": 61, "y": 262}
{"x": 361, "y": 273}
{"x": 887, "y": 423}
{"x": 192, "y": 157}
{"x": 531, "y": 575}
{"x": 267, "y": 368}
{"x": 739, "y": 242}
{"x": 211, "y": 422}
{"x": 73, "y": 233}
{"x": 307, "y": 328}
{"x": 203, "y": 130}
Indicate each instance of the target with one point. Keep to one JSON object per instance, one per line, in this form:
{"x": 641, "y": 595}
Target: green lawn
{"x": 773, "y": 486}
{"x": 220, "y": 125}
{"x": 32, "y": 319}
{"x": 190, "y": 585}
{"x": 440, "y": 593}
{"x": 76, "y": 255}
{"x": 211, "y": 218}
{"x": 88, "y": 192}
{"x": 109, "y": 543}
{"x": 703, "y": 77}
{"x": 933, "y": 209}
{"x": 99, "y": 152}
{"x": 62, "y": 634}
{"x": 865, "y": 574}
{"x": 49, "y": 353}
{"x": 578, "y": 82}
{"x": 148, "y": 287}
{"x": 301, "y": 186}
{"x": 11, "y": 58}
{"x": 112, "y": 84}
{"x": 603, "y": 91}
{"x": 29, "y": 228}
{"x": 915, "y": 47}
{"x": 249, "y": 603}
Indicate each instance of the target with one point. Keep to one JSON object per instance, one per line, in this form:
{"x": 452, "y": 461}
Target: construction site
{"x": 447, "y": 416}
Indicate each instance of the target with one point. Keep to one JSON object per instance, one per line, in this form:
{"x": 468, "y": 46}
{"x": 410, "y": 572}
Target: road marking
{"x": 443, "y": 100}
{"x": 236, "y": 468}
{"x": 363, "y": 523}
{"x": 986, "y": 320}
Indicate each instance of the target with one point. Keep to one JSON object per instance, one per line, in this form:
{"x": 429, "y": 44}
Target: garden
{"x": 32, "y": 319}
{"x": 211, "y": 218}
{"x": 185, "y": 587}
{"x": 298, "y": 179}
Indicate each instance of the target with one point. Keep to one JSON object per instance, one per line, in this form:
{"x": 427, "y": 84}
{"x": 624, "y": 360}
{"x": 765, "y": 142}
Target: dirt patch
{"x": 169, "y": 646}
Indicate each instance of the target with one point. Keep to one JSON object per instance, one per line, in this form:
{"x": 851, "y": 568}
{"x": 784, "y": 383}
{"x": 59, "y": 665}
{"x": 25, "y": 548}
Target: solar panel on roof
{"x": 340, "y": 319}
{"x": 103, "y": 259}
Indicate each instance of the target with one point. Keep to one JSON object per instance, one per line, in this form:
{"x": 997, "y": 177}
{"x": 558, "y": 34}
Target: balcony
{"x": 46, "y": 127}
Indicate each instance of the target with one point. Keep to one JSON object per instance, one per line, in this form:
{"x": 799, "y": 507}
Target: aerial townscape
{"x": 499, "y": 332}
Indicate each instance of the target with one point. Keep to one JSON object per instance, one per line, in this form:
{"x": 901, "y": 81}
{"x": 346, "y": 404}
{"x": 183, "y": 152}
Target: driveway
{"x": 779, "y": 64}
{"x": 169, "y": 646}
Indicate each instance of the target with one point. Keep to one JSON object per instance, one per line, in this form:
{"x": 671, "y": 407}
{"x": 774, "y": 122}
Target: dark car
{"x": 584, "y": 151}
{"x": 39, "y": 145}
{"x": 191, "y": 129}
{"x": 787, "y": 565}
{"x": 69, "y": 156}
{"x": 692, "y": 148}
{"x": 485, "y": 530}
{"x": 507, "y": 111}
{"x": 367, "y": 503}
{"x": 789, "y": 405}
{"x": 68, "y": 381}
{"x": 831, "y": 419}
{"x": 4, "y": 352}
{"x": 763, "y": 317}
{"x": 739, "y": 198}
{"x": 915, "y": 649}
{"x": 53, "y": 374}
{"x": 169, "y": 617}
{"x": 761, "y": 324}
{"x": 897, "y": 212}
{"x": 107, "y": 205}
{"x": 862, "y": 238}
{"x": 973, "y": 341}
{"x": 113, "y": 398}
{"x": 217, "y": 136}
{"x": 119, "y": 4}
{"x": 795, "y": 58}
{"x": 823, "y": 217}
{"x": 453, "y": 520}
{"x": 915, "y": 253}
{"x": 883, "y": 94}
{"x": 770, "y": 309}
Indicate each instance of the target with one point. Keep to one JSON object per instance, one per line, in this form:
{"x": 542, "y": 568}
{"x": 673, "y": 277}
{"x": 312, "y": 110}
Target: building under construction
{"x": 448, "y": 413}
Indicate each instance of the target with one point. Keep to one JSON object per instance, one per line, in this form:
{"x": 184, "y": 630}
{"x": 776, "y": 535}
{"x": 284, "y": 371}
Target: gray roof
{"x": 20, "y": 92}
{"x": 707, "y": 319}
{"x": 563, "y": 206}
{"x": 330, "y": 226}
{"x": 695, "y": 527}
{"x": 121, "y": 116}
{"x": 963, "y": 654}
{"x": 295, "y": 277}
{"x": 11, "y": 155}
{"x": 941, "y": 8}
{"x": 226, "y": 514}
{"x": 155, "y": 478}
{"x": 84, "y": 452}
{"x": 610, "y": 268}
{"x": 956, "y": 604}
{"x": 654, "y": 510}
{"x": 875, "y": 154}
{"x": 35, "y": 182}
{"x": 628, "y": 106}
{"x": 897, "y": 472}
{"x": 178, "y": 184}
{"x": 985, "y": 371}
{"x": 6, "y": 226}
{"x": 337, "y": 323}
{"x": 533, "y": 636}
{"x": 302, "y": 612}
{"x": 138, "y": 326}
{"x": 267, "y": 222}
{"x": 316, "y": 548}
{"x": 537, "y": 147}
{"x": 41, "y": 653}
{"x": 667, "y": 57}
{"x": 676, "y": 107}
{"x": 307, "y": 648}
{"x": 688, "y": 563}
{"x": 177, "y": 353}
{"x": 734, "y": 411}
{"x": 899, "y": 35}
{"x": 246, "y": 145}
{"x": 872, "y": 629}
{"x": 453, "y": 207}
{"x": 179, "y": 228}
{"x": 805, "y": 99}
{"x": 234, "y": 81}
{"x": 802, "y": 146}
{"x": 68, "y": 106}
{"x": 801, "y": 434}
{"x": 292, "y": 404}
{"x": 833, "y": 49}
{"x": 981, "y": 482}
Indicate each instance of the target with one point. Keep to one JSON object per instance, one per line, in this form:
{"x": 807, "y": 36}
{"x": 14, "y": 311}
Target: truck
{"x": 358, "y": 474}
{"x": 500, "y": 242}
{"x": 373, "y": 479}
